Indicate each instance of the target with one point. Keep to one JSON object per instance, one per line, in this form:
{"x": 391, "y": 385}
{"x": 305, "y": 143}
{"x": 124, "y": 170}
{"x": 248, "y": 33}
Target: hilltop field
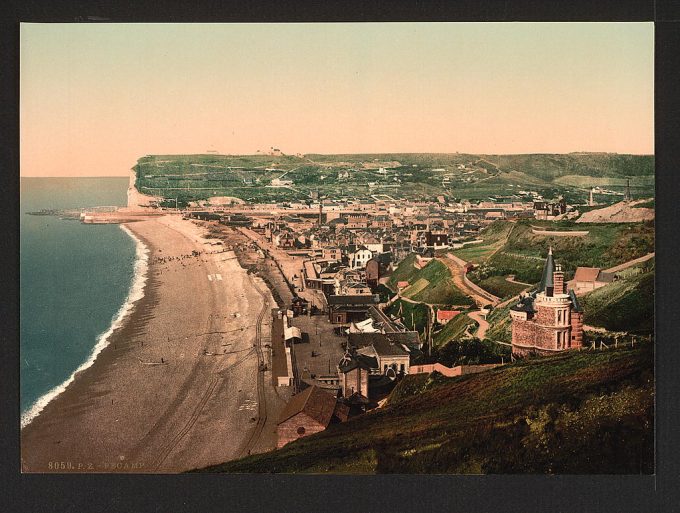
{"x": 412, "y": 176}
{"x": 575, "y": 413}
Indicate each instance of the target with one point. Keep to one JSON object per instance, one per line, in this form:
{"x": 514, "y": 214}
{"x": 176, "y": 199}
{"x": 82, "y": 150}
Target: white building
{"x": 358, "y": 259}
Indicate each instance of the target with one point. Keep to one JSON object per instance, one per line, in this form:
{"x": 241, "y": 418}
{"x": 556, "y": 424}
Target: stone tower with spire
{"x": 549, "y": 319}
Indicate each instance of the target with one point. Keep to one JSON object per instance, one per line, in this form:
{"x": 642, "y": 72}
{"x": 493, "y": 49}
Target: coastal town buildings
{"x": 345, "y": 309}
{"x": 550, "y": 209}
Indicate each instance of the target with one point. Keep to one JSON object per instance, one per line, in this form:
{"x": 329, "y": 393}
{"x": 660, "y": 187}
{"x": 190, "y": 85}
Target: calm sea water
{"x": 74, "y": 280}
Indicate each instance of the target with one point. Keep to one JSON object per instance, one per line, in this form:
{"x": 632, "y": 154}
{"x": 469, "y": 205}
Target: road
{"x": 479, "y": 295}
{"x": 483, "y": 324}
{"x": 630, "y": 263}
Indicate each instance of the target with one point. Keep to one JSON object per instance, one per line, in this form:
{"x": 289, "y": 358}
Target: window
{"x": 301, "y": 430}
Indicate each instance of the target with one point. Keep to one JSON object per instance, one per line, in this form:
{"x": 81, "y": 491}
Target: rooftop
{"x": 313, "y": 402}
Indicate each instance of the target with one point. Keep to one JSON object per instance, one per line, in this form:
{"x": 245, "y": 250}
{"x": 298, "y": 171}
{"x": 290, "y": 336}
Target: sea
{"x": 77, "y": 283}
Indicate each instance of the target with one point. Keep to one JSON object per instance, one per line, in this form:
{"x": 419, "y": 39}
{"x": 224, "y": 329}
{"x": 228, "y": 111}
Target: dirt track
{"x": 479, "y": 295}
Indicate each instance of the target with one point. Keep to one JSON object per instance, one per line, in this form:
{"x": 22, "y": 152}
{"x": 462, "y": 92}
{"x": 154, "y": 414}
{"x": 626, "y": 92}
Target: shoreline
{"x": 136, "y": 292}
{"x": 152, "y": 400}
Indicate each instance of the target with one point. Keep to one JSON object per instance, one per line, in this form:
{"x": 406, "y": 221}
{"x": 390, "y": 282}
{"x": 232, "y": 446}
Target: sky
{"x": 96, "y": 97}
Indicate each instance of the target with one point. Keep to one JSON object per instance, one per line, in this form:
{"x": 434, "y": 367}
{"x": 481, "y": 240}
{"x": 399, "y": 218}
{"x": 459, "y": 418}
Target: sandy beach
{"x": 177, "y": 386}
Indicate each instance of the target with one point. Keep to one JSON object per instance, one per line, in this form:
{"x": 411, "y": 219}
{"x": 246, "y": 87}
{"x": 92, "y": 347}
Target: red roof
{"x": 402, "y": 284}
{"x": 446, "y": 315}
{"x": 586, "y": 274}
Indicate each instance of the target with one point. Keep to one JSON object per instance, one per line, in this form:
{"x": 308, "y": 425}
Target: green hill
{"x": 452, "y": 330}
{"x": 432, "y": 284}
{"x": 499, "y": 324}
{"x": 523, "y": 252}
{"x": 415, "y": 176}
{"x": 625, "y": 305}
{"x": 577, "y": 412}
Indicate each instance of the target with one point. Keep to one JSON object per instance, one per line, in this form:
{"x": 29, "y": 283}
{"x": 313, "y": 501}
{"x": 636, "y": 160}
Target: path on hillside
{"x": 630, "y": 263}
{"x": 457, "y": 267}
{"x": 510, "y": 278}
{"x": 483, "y": 323}
{"x": 573, "y": 233}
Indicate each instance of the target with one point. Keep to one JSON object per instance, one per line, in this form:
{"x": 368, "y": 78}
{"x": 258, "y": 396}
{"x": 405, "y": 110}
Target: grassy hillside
{"x": 500, "y": 326}
{"x": 453, "y": 330}
{"x": 422, "y": 176}
{"x": 404, "y": 271}
{"x": 523, "y": 252}
{"x": 495, "y": 236}
{"x": 626, "y": 305}
{"x": 499, "y": 286}
{"x": 579, "y": 412}
{"x": 432, "y": 284}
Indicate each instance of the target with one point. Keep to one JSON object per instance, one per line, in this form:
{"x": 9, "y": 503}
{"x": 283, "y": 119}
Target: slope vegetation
{"x": 625, "y": 305}
{"x": 523, "y": 252}
{"x": 579, "y": 412}
{"x": 432, "y": 284}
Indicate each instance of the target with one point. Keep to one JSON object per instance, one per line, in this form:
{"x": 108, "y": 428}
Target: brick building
{"x": 549, "y": 209}
{"x": 549, "y": 319}
{"x": 308, "y": 412}
{"x": 372, "y": 272}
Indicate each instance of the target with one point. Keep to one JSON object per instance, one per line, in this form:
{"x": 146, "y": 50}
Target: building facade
{"x": 549, "y": 319}
{"x": 372, "y": 272}
{"x": 308, "y": 412}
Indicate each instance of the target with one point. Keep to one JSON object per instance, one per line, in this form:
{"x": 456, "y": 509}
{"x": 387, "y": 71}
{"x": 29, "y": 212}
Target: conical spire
{"x": 548, "y": 269}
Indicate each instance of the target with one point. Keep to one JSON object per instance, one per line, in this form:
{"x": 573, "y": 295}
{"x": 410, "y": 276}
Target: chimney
{"x": 558, "y": 280}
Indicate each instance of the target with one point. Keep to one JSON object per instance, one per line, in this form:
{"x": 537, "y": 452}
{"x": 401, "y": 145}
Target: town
{"x": 347, "y": 329}
{"x": 340, "y": 248}
{"x": 323, "y": 300}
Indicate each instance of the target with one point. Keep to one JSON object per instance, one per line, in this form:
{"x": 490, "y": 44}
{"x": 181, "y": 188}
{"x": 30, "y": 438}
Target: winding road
{"x": 457, "y": 267}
